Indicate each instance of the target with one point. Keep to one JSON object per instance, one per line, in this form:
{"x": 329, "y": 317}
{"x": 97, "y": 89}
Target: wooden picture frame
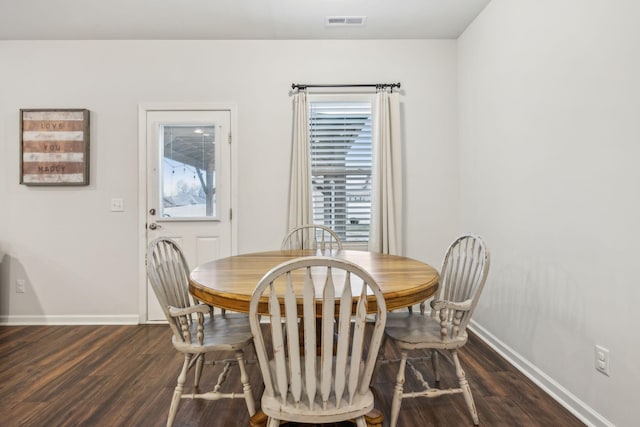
{"x": 54, "y": 148}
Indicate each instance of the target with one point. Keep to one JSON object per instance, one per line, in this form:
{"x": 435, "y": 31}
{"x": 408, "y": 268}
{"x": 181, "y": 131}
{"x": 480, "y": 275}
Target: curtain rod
{"x": 376, "y": 85}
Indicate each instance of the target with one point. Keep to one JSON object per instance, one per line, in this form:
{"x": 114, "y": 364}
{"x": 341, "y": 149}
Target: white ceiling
{"x": 232, "y": 19}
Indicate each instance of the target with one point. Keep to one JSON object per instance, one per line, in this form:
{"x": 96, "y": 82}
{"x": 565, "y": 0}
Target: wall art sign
{"x": 55, "y": 147}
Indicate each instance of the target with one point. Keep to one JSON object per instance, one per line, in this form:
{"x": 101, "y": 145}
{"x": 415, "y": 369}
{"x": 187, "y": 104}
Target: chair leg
{"x": 246, "y": 385}
{"x": 422, "y": 307}
{"x": 273, "y": 422}
{"x": 397, "y": 392}
{"x": 177, "y": 393}
{"x": 466, "y": 390}
{"x": 435, "y": 362}
{"x": 199, "y": 365}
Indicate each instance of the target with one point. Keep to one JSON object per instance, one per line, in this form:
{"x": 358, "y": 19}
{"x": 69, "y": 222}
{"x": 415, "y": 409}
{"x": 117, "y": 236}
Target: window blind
{"x": 340, "y": 135}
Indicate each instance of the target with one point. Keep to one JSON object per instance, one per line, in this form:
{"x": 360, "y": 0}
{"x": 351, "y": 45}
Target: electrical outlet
{"x": 20, "y": 286}
{"x": 117, "y": 205}
{"x": 602, "y": 360}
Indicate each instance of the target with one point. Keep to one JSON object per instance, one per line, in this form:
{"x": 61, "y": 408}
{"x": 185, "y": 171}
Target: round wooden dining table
{"x": 229, "y": 282}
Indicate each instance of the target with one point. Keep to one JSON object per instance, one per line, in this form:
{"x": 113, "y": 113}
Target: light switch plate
{"x": 602, "y": 360}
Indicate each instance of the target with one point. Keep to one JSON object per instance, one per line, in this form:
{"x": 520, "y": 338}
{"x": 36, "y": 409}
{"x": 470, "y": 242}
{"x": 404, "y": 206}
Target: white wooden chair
{"x": 195, "y": 330}
{"x": 464, "y": 272}
{"x": 312, "y": 236}
{"x": 322, "y": 372}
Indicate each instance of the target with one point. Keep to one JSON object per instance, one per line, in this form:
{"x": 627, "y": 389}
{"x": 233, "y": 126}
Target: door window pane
{"x": 187, "y": 171}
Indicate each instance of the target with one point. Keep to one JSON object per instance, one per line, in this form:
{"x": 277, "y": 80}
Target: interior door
{"x": 188, "y": 185}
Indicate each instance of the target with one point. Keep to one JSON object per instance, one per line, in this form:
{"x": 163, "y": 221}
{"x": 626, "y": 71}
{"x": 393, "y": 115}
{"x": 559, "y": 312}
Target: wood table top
{"x": 229, "y": 282}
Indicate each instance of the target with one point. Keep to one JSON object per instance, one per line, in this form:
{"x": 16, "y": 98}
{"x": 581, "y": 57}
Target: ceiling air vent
{"x": 333, "y": 21}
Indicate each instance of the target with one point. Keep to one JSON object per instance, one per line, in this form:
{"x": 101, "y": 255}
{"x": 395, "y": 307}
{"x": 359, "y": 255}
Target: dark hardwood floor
{"x": 125, "y": 375}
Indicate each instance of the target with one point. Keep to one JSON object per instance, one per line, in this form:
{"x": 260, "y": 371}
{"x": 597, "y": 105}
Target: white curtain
{"x": 386, "y": 204}
{"x": 300, "y": 208}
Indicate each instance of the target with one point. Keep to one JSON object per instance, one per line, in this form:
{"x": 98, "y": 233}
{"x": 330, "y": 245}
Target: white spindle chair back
{"x": 319, "y": 361}
{"x": 168, "y": 274}
{"x": 463, "y": 275}
{"x": 312, "y": 236}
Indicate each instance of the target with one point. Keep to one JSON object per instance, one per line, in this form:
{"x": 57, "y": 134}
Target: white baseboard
{"x": 125, "y": 319}
{"x": 577, "y": 407}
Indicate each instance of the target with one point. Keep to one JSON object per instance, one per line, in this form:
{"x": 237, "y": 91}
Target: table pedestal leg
{"x": 259, "y": 419}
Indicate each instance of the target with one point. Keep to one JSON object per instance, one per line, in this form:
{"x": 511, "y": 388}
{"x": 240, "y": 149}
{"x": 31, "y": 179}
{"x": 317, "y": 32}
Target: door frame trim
{"x": 143, "y": 108}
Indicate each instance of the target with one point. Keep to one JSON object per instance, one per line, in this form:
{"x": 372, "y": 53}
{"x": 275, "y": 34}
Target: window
{"x": 340, "y": 135}
{"x": 188, "y": 171}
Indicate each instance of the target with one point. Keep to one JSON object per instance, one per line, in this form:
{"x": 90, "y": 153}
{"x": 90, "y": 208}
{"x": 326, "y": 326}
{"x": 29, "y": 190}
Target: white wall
{"x": 81, "y": 261}
{"x": 549, "y": 122}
